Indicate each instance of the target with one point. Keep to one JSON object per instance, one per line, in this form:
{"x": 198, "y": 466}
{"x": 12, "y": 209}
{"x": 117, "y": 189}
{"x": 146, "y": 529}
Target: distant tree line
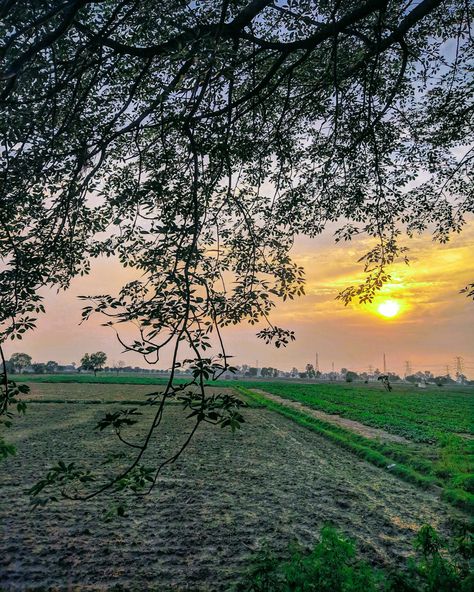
{"x": 95, "y": 362}
{"x": 21, "y": 362}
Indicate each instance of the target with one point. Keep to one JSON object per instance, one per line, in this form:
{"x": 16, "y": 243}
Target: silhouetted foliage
{"x": 194, "y": 142}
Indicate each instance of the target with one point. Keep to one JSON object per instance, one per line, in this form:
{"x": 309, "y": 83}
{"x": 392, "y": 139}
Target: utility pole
{"x": 316, "y": 367}
{"x": 384, "y": 364}
{"x": 447, "y": 371}
{"x": 333, "y": 367}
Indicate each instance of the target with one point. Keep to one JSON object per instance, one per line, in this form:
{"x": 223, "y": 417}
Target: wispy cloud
{"x": 428, "y": 286}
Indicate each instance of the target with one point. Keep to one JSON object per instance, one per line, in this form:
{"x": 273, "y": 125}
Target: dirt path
{"x": 343, "y": 422}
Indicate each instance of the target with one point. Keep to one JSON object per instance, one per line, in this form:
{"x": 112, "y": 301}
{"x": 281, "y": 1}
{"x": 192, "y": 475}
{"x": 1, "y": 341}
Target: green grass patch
{"x": 93, "y": 402}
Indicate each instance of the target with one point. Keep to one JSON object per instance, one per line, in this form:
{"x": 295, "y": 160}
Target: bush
{"x": 333, "y": 566}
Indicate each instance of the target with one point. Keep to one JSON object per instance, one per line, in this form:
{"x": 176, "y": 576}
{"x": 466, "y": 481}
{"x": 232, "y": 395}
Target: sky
{"x": 434, "y": 324}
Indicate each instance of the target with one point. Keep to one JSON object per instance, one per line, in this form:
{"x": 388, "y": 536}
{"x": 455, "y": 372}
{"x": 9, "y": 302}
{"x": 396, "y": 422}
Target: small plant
{"x": 333, "y": 566}
{"x": 443, "y": 566}
{"x": 10, "y": 404}
{"x": 264, "y": 574}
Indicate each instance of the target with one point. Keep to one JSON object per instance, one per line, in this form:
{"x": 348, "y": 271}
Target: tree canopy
{"x": 195, "y": 141}
{"x": 94, "y": 362}
{"x": 20, "y": 361}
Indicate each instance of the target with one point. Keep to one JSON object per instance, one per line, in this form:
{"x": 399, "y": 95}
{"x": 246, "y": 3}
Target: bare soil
{"x": 76, "y": 391}
{"x": 343, "y": 422}
{"x": 273, "y": 481}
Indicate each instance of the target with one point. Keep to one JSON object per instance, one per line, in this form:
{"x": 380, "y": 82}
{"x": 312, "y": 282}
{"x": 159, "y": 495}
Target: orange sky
{"x": 434, "y": 324}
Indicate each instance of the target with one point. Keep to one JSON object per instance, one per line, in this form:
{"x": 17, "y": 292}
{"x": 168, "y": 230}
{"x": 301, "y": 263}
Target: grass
{"x": 91, "y": 379}
{"x": 93, "y": 401}
{"x": 333, "y": 565}
{"x": 414, "y": 463}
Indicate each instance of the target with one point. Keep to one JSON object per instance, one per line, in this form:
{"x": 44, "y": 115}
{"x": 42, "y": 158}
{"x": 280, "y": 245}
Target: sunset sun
{"x": 388, "y": 308}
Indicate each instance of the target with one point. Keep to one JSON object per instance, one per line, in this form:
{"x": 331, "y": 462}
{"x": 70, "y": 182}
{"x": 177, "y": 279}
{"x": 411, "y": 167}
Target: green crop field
{"x": 122, "y": 378}
{"x": 421, "y": 415}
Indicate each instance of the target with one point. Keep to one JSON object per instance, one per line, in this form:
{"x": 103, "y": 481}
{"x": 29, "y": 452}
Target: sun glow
{"x": 388, "y": 308}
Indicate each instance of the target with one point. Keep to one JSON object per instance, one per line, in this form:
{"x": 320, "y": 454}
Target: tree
{"x": 310, "y": 372}
{"x": 215, "y": 134}
{"x": 51, "y": 367}
{"x": 9, "y": 367}
{"x": 94, "y": 362}
{"x": 351, "y": 376}
{"x": 86, "y": 363}
{"x": 393, "y": 377}
{"x": 39, "y": 367}
{"x": 98, "y": 361}
{"x": 20, "y": 361}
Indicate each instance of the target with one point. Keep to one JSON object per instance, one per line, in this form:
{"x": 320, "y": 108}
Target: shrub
{"x": 333, "y": 566}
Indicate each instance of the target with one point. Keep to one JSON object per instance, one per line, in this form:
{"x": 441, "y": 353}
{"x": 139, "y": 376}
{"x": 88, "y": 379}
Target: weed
{"x": 333, "y": 566}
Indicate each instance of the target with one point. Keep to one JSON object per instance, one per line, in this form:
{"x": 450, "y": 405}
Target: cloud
{"x": 435, "y": 323}
{"x": 428, "y": 286}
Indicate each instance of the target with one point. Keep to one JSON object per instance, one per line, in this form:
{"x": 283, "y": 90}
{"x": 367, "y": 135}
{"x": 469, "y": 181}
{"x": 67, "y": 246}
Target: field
{"x": 280, "y": 478}
{"x": 431, "y": 443}
{"x": 421, "y": 415}
{"x": 435, "y": 427}
{"x": 120, "y": 378}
